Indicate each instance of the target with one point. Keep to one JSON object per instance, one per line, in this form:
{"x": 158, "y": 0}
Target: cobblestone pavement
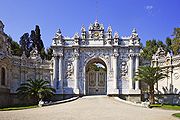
{"x": 89, "y": 108}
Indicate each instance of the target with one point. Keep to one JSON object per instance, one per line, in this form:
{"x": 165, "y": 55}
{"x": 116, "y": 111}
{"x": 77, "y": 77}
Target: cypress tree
{"x": 25, "y": 44}
{"x": 39, "y": 43}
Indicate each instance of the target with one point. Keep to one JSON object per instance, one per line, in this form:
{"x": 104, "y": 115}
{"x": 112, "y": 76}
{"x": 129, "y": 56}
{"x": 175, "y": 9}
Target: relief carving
{"x": 124, "y": 68}
{"x": 70, "y": 70}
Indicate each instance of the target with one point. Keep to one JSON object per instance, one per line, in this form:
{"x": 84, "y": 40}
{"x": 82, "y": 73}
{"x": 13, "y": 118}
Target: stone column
{"x": 55, "y": 64}
{"x": 136, "y": 69}
{"x": 171, "y": 79}
{"x": 60, "y": 86}
{"x": 130, "y": 71}
{"x": 115, "y": 71}
{"x": 76, "y": 70}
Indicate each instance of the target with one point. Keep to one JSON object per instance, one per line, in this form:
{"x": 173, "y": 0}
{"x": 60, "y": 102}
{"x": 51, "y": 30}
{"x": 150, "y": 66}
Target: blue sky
{"x": 152, "y": 18}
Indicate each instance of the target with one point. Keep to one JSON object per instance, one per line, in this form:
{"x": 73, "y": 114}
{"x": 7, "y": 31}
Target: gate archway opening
{"x": 96, "y": 77}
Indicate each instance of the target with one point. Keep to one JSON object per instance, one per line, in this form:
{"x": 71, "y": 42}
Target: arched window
{"x": 3, "y": 77}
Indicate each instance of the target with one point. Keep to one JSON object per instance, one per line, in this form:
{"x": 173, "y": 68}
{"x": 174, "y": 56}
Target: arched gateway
{"x": 74, "y": 56}
{"x": 96, "y": 77}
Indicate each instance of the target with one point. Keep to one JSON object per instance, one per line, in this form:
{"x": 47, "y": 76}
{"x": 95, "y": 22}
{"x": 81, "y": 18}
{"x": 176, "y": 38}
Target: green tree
{"x": 150, "y": 76}
{"x": 169, "y": 44}
{"x": 25, "y": 44}
{"x": 39, "y": 43}
{"x": 33, "y": 39}
{"x": 176, "y": 41}
{"x": 43, "y": 53}
{"x": 151, "y": 48}
{"x": 49, "y": 53}
{"x": 36, "y": 89}
{"x": 15, "y": 47}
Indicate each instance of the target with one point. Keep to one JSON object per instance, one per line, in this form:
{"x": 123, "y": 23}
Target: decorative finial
{"x": 83, "y": 28}
{"x": 59, "y": 31}
{"x": 116, "y": 35}
{"x": 96, "y": 23}
{"x": 76, "y": 36}
{"x": 134, "y": 30}
{"x": 109, "y": 29}
{"x": 58, "y": 34}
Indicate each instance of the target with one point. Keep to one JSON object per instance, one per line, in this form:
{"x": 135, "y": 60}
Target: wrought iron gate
{"x": 96, "y": 82}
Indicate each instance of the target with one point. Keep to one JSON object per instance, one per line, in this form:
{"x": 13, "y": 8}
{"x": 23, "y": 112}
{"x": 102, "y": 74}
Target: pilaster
{"x": 60, "y": 82}
{"x": 131, "y": 71}
{"x": 136, "y": 70}
{"x": 76, "y": 61}
{"x": 55, "y": 70}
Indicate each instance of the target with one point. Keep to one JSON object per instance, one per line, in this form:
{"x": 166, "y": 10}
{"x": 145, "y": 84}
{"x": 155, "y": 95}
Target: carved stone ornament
{"x": 2, "y": 55}
{"x": 83, "y": 33}
{"x": 76, "y": 39}
{"x": 76, "y": 52}
{"x": 124, "y": 68}
{"x": 69, "y": 71}
{"x": 176, "y": 76}
{"x": 115, "y": 53}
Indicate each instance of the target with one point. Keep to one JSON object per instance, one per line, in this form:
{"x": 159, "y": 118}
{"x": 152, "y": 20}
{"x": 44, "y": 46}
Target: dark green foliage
{"x": 49, "y": 53}
{"x": 176, "y": 41}
{"x": 172, "y": 45}
{"x": 43, "y": 53}
{"x": 33, "y": 39}
{"x": 37, "y": 89}
{"x": 25, "y": 44}
{"x": 150, "y": 76}
{"x": 169, "y": 45}
{"x": 151, "y": 48}
{"x": 28, "y": 43}
{"x": 15, "y": 47}
{"x": 39, "y": 43}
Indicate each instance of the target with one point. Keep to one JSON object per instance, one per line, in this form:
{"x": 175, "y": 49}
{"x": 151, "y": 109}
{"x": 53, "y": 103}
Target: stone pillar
{"x": 115, "y": 70}
{"x": 60, "y": 86}
{"x": 171, "y": 79}
{"x": 130, "y": 71}
{"x": 55, "y": 74}
{"x": 136, "y": 69}
{"x": 76, "y": 71}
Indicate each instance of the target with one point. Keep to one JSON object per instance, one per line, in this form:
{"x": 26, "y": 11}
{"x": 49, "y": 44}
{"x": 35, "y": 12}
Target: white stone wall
{"x": 171, "y": 66}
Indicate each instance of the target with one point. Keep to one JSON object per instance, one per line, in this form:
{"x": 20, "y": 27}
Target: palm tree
{"x": 36, "y": 89}
{"x": 150, "y": 75}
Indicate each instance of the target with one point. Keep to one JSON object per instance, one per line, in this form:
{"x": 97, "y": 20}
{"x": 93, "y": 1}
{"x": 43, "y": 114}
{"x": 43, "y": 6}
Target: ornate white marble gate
{"x": 120, "y": 55}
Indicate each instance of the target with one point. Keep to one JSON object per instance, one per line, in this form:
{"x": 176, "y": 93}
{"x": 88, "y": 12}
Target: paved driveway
{"x": 89, "y": 108}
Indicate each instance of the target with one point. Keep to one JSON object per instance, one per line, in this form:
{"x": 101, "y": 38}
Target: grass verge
{"x": 17, "y": 108}
{"x": 176, "y": 115}
{"x": 168, "y": 107}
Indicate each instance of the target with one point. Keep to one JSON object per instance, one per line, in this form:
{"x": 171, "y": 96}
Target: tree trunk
{"x": 152, "y": 100}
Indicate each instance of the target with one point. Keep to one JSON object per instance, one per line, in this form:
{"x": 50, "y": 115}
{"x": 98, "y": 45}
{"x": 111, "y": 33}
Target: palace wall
{"x": 15, "y": 70}
{"x": 168, "y": 89}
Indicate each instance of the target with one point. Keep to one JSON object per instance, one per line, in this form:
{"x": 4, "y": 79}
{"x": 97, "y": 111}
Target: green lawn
{"x": 168, "y": 107}
{"x": 17, "y": 108}
{"x": 176, "y": 115}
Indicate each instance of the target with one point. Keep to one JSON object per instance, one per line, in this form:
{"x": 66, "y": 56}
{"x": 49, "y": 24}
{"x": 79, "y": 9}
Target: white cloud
{"x": 149, "y": 7}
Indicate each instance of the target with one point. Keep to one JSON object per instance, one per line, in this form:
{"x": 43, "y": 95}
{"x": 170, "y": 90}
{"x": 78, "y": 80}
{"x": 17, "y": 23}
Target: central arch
{"x": 96, "y": 77}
